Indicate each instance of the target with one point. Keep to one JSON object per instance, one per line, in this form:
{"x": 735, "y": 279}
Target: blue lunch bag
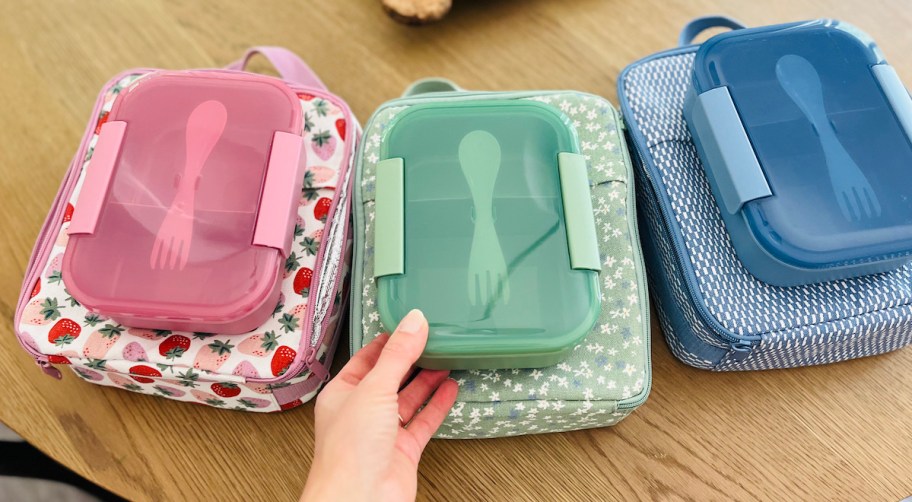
{"x": 715, "y": 313}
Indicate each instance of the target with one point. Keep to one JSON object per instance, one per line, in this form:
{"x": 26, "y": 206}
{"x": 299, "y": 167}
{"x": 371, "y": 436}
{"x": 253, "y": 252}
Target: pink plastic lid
{"x": 186, "y": 211}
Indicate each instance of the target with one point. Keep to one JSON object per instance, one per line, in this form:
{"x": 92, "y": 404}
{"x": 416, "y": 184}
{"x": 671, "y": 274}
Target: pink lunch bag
{"x": 198, "y": 247}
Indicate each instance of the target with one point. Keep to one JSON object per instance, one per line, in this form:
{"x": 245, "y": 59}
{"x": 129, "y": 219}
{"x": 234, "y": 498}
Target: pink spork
{"x": 172, "y": 242}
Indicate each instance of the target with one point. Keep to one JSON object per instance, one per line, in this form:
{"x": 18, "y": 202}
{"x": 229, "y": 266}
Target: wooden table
{"x": 836, "y": 432}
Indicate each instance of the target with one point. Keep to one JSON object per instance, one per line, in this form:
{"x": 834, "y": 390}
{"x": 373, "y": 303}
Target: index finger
{"x": 361, "y": 363}
{"x": 400, "y": 352}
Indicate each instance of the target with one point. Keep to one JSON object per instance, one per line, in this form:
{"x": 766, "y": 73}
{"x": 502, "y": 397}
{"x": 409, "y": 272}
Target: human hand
{"x": 369, "y": 434}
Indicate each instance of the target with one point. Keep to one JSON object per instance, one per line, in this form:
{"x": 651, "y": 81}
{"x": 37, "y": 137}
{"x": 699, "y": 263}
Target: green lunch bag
{"x": 509, "y": 219}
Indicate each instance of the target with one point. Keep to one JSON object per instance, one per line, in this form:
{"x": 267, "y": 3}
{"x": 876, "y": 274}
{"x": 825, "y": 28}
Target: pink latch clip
{"x": 280, "y": 197}
{"x": 98, "y": 178}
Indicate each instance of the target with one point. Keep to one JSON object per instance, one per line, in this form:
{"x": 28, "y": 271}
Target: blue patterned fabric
{"x": 714, "y": 313}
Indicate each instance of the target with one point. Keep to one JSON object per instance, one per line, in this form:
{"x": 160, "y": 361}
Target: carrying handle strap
{"x": 701, "y": 24}
{"x": 287, "y": 63}
{"x": 433, "y": 84}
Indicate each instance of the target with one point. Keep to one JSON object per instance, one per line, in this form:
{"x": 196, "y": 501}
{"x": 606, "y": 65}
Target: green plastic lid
{"x": 484, "y": 222}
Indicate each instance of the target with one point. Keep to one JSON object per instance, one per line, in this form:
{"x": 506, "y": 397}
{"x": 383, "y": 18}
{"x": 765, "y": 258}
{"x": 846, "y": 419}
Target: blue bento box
{"x": 804, "y": 133}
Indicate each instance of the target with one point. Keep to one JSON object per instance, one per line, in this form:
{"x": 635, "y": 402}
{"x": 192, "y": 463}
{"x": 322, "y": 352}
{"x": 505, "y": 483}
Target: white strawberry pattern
{"x": 134, "y": 351}
{"x": 197, "y": 387}
{"x": 324, "y": 144}
{"x": 612, "y": 363}
{"x": 246, "y": 370}
{"x": 40, "y": 311}
{"x": 185, "y": 366}
{"x": 100, "y": 341}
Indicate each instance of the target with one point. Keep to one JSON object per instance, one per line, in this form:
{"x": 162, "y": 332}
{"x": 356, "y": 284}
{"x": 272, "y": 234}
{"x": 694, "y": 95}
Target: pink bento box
{"x": 186, "y": 216}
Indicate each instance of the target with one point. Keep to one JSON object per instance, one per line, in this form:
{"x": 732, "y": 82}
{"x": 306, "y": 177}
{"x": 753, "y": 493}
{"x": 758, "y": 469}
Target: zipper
{"x": 636, "y": 401}
{"x": 739, "y": 348}
{"x": 49, "y": 369}
{"x": 739, "y": 352}
{"x": 356, "y": 331}
{"x": 688, "y": 279}
{"x": 679, "y": 256}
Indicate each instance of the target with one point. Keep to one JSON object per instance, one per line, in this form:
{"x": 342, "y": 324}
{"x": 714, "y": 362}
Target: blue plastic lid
{"x": 829, "y": 125}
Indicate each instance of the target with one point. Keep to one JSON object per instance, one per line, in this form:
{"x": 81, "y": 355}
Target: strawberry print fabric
{"x": 607, "y": 375}
{"x": 232, "y": 371}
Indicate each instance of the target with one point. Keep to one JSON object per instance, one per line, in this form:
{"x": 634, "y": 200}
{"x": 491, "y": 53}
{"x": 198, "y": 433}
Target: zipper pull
{"x": 49, "y": 369}
{"x": 740, "y": 351}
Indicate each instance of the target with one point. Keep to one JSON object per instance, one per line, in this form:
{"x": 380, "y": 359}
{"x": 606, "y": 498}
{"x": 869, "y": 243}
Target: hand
{"x": 369, "y": 434}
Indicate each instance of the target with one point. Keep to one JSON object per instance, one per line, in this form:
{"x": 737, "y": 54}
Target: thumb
{"x": 400, "y": 352}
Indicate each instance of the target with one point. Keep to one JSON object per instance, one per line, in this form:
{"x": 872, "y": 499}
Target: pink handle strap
{"x": 289, "y": 65}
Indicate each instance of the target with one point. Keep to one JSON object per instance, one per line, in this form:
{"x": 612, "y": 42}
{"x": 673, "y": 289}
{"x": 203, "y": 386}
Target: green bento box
{"x": 485, "y": 223}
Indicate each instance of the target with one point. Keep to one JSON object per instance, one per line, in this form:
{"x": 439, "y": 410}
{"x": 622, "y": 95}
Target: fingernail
{"x": 412, "y": 322}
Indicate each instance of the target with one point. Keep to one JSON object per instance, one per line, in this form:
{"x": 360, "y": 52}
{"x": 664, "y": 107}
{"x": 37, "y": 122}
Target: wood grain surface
{"x": 840, "y": 432}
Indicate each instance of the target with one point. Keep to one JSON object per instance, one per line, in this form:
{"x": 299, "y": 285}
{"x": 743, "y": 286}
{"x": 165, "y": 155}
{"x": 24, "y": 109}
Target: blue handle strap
{"x": 701, "y": 24}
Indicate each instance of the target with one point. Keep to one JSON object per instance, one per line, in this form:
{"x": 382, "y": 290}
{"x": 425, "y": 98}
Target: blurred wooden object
{"x": 417, "y": 11}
